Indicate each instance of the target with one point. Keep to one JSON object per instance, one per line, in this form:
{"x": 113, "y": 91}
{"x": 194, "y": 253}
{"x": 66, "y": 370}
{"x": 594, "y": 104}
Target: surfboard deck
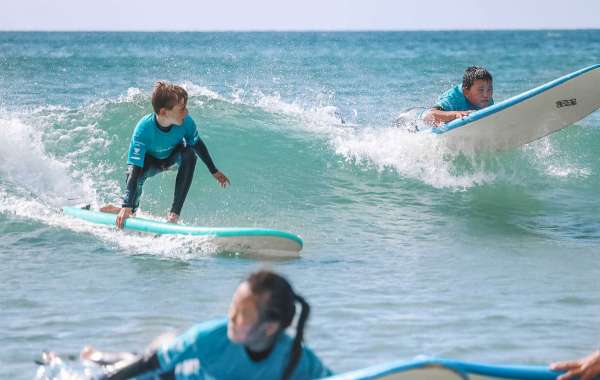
{"x": 255, "y": 241}
{"x": 447, "y": 369}
{"x": 528, "y": 116}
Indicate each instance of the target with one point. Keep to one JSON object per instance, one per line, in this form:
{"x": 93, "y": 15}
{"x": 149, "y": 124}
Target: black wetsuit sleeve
{"x": 133, "y": 177}
{"x": 137, "y": 368}
{"x": 202, "y": 152}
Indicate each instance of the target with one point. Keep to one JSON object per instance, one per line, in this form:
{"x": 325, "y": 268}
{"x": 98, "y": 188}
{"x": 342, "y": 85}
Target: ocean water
{"x": 409, "y": 248}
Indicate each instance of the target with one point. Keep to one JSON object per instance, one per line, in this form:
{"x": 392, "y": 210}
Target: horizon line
{"x": 290, "y": 30}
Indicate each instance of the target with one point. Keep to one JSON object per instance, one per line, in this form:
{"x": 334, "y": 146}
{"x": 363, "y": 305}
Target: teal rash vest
{"x": 205, "y": 352}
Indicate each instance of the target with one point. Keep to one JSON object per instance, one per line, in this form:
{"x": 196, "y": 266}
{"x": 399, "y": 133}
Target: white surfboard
{"x": 528, "y": 116}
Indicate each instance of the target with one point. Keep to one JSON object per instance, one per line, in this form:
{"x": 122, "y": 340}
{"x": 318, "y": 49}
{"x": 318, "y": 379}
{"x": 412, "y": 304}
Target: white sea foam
{"x": 133, "y": 95}
{"x": 555, "y": 163}
{"x": 322, "y": 118}
{"x": 417, "y": 156}
{"x": 195, "y": 90}
{"x": 25, "y": 164}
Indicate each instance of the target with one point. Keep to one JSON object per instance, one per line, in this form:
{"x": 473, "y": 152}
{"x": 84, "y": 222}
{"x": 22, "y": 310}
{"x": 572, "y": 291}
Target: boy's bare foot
{"x": 172, "y": 218}
{"x": 110, "y": 209}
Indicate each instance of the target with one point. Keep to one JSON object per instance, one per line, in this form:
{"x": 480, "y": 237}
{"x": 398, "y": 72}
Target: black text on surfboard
{"x": 566, "y": 103}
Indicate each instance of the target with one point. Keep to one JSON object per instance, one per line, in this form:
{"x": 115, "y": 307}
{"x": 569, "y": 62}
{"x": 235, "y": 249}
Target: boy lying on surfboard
{"x": 474, "y": 94}
{"x": 161, "y": 140}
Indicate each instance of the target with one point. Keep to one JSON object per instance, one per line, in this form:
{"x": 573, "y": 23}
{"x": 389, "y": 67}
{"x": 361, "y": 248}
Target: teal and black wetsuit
{"x": 154, "y": 149}
{"x": 204, "y": 352}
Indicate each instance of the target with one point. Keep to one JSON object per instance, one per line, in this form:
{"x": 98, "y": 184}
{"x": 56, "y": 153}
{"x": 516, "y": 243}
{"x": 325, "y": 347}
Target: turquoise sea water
{"x": 409, "y": 248}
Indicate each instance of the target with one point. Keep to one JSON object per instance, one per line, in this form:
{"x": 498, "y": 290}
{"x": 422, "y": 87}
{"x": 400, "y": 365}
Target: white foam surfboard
{"x": 528, "y": 116}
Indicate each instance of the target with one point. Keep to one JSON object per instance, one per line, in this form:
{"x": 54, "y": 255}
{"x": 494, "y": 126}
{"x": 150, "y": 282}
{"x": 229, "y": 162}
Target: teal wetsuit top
{"x": 148, "y": 139}
{"x": 205, "y": 352}
{"x": 154, "y": 148}
{"x": 455, "y": 100}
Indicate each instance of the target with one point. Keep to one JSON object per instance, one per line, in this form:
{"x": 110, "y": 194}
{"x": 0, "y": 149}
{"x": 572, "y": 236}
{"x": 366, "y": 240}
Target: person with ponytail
{"x": 250, "y": 344}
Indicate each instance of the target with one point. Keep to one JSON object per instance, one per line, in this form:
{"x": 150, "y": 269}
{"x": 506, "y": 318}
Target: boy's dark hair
{"x": 167, "y": 95}
{"x": 279, "y": 304}
{"x": 474, "y": 73}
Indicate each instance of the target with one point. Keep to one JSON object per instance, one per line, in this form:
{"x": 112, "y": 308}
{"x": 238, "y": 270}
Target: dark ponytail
{"x": 280, "y": 305}
{"x": 297, "y": 344}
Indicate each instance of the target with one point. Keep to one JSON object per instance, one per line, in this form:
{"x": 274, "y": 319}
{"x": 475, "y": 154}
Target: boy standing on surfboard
{"x": 162, "y": 139}
{"x": 475, "y": 93}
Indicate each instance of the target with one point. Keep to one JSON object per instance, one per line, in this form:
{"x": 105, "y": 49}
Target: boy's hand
{"x": 586, "y": 369}
{"x": 123, "y": 215}
{"x": 461, "y": 114}
{"x": 222, "y": 178}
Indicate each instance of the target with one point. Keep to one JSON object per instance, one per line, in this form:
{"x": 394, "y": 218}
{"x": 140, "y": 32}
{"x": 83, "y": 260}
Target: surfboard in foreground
{"x": 254, "y": 241}
{"x": 52, "y": 367}
{"x": 528, "y": 116}
{"x": 448, "y": 369}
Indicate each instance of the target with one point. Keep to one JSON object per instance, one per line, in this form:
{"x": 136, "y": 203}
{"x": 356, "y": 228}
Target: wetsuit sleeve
{"x": 202, "y": 152}
{"x": 142, "y": 366}
{"x": 191, "y": 131}
{"x": 193, "y": 139}
{"x": 133, "y": 176}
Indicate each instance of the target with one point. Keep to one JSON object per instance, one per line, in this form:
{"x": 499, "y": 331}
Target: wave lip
{"x": 26, "y": 166}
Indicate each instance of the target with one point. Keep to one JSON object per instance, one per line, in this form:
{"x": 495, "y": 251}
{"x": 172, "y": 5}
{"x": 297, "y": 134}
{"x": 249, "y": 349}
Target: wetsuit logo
{"x": 137, "y": 152}
{"x": 566, "y": 103}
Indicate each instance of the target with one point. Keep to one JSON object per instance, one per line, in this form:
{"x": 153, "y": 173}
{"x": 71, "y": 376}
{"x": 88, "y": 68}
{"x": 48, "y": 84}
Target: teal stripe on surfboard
{"x": 151, "y": 226}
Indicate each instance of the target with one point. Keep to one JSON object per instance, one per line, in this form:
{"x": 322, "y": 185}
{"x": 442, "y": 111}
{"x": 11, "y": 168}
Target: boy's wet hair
{"x": 474, "y": 73}
{"x": 279, "y": 305}
{"x": 167, "y": 95}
